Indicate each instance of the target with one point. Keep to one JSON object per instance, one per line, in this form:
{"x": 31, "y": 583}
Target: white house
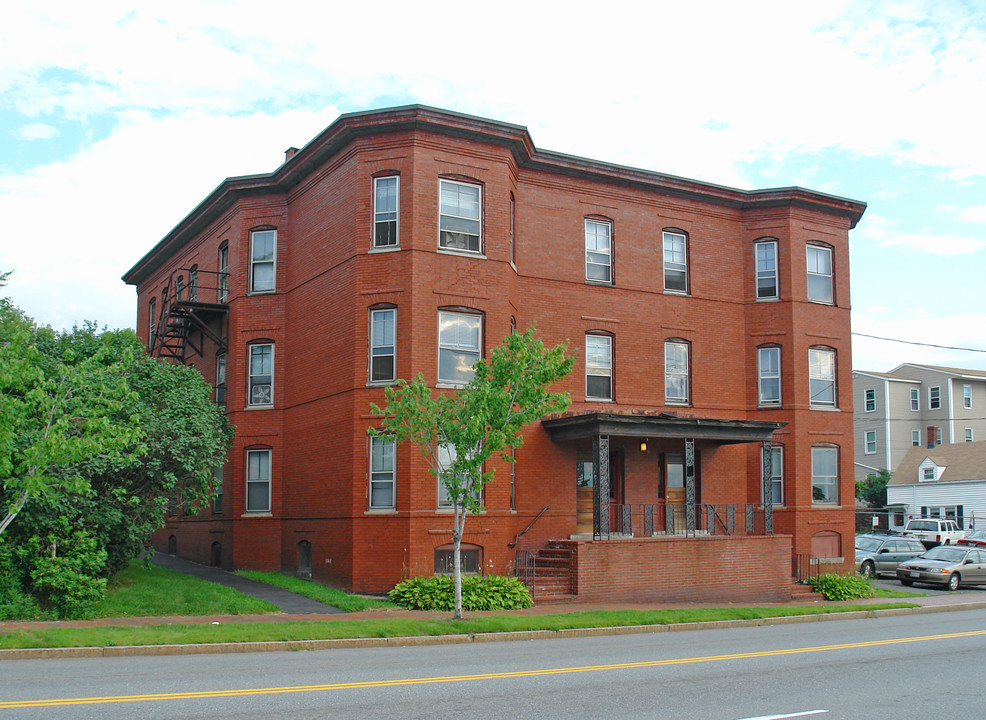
{"x": 947, "y": 481}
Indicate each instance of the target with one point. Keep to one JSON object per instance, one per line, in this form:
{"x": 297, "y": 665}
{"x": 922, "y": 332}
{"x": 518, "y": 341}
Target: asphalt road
{"x": 889, "y": 667}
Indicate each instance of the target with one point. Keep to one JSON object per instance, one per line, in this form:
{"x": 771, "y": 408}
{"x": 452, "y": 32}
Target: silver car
{"x": 876, "y": 554}
{"x": 948, "y": 566}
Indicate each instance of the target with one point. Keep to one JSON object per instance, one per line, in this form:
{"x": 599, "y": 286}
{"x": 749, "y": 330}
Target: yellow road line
{"x": 465, "y": 678}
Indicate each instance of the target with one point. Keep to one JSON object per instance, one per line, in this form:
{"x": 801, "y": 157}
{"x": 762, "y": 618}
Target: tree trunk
{"x": 458, "y": 521}
{"x": 20, "y": 506}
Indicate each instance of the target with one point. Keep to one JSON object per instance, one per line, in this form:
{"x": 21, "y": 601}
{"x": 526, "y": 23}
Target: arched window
{"x": 765, "y": 260}
{"x": 675, "y": 261}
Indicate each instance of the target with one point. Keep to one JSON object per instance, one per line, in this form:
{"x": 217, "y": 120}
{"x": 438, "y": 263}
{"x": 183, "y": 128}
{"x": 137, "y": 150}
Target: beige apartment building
{"x": 914, "y": 406}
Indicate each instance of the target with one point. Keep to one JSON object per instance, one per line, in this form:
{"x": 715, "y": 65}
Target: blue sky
{"x": 116, "y": 119}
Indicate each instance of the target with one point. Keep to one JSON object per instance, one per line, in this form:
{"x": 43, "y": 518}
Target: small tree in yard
{"x": 873, "y": 490}
{"x": 459, "y": 433}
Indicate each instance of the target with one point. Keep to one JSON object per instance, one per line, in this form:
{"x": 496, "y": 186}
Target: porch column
{"x": 689, "y": 486}
{"x": 767, "y": 470}
{"x": 600, "y": 487}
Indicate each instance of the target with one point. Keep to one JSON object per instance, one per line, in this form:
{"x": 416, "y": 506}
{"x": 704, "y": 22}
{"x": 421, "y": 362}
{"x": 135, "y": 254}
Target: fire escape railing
{"x": 191, "y": 315}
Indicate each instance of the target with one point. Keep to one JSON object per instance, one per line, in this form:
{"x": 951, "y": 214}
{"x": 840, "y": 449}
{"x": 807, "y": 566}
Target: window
{"x": 458, "y": 346}
{"x": 967, "y": 397}
{"x": 869, "y": 439}
{"x": 927, "y": 474}
{"x": 598, "y": 251}
{"x": 513, "y": 226}
{"x": 261, "y": 375}
{"x": 934, "y": 398}
{"x": 675, "y": 262}
{"x": 598, "y": 367}
{"x": 676, "y": 372}
{"x": 151, "y": 322}
{"x": 180, "y": 289}
{"x": 221, "y": 378}
{"x": 915, "y": 399}
{"x": 938, "y": 436}
{"x": 820, "y": 274}
{"x": 916, "y": 438}
{"x": 381, "y": 472}
{"x": 459, "y": 216}
{"x": 386, "y": 194}
{"x": 825, "y": 475}
{"x": 968, "y": 435}
{"x": 382, "y": 357}
{"x": 447, "y": 456}
{"x": 777, "y": 475}
{"x": 470, "y": 559}
{"x": 193, "y": 284}
{"x": 765, "y": 253}
{"x": 821, "y": 377}
{"x": 258, "y": 481}
{"x": 869, "y": 399}
{"x": 769, "y": 375}
{"x": 263, "y": 249}
{"x": 223, "y": 273}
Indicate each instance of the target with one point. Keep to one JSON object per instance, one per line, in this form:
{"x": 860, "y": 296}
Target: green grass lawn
{"x": 140, "y": 590}
{"x": 315, "y": 591}
{"x": 391, "y": 627}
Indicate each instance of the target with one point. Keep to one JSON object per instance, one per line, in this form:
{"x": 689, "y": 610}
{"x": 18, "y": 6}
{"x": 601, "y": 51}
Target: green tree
{"x": 458, "y": 434}
{"x": 873, "y": 490}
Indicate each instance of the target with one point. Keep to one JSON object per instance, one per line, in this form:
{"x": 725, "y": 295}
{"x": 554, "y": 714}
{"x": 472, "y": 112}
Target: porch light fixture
{"x": 643, "y": 445}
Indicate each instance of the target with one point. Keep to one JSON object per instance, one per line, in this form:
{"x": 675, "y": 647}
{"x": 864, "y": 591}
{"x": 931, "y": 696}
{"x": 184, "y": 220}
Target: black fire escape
{"x": 193, "y": 313}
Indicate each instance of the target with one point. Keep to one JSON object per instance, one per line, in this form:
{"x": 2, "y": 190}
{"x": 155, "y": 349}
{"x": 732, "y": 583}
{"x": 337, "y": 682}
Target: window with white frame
{"x": 869, "y": 440}
{"x": 381, "y": 472}
{"x": 765, "y": 254}
{"x": 967, "y": 397}
{"x": 820, "y": 274}
{"x": 180, "y": 289}
{"x": 769, "y": 376}
{"x": 383, "y": 325}
{"x": 916, "y": 438}
{"x": 934, "y": 398}
{"x": 598, "y": 251}
{"x": 446, "y": 456}
{"x": 223, "y": 273}
{"x": 821, "y": 377}
{"x": 598, "y": 367}
{"x": 258, "y": 481}
{"x": 825, "y": 475}
{"x": 675, "y": 262}
{"x": 938, "y": 436}
{"x": 260, "y": 377}
{"x": 459, "y": 338}
{"x": 915, "y": 399}
{"x": 676, "y": 385}
{"x": 386, "y": 205}
{"x": 460, "y": 216}
{"x": 869, "y": 399}
{"x": 193, "y": 284}
{"x": 151, "y": 322}
{"x": 928, "y": 474}
{"x": 263, "y": 252}
{"x": 513, "y": 227}
{"x": 221, "y": 378}
{"x": 777, "y": 475}
{"x": 968, "y": 434}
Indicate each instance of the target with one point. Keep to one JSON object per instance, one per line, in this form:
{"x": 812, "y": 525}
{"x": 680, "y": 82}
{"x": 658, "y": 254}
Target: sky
{"x": 118, "y": 118}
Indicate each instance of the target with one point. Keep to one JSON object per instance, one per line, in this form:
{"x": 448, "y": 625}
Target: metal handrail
{"x": 524, "y": 531}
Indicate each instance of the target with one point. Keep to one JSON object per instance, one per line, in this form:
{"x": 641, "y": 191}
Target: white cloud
{"x": 881, "y": 232}
{"x": 974, "y": 214}
{"x": 37, "y": 131}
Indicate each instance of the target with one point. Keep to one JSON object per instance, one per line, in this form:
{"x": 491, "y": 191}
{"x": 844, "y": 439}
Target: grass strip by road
{"x": 108, "y": 636}
{"x": 315, "y": 591}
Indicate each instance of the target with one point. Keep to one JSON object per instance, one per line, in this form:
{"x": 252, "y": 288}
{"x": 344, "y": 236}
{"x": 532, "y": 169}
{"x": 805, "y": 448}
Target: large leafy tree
{"x": 459, "y": 433}
{"x": 873, "y": 490}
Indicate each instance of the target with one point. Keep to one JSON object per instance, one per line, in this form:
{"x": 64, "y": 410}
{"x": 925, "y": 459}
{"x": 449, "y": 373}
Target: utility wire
{"x": 911, "y": 342}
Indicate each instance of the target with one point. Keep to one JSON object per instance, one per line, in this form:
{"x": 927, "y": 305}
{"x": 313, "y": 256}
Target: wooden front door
{"x": 584, "y": 489}
{"x": 674, "y": 492}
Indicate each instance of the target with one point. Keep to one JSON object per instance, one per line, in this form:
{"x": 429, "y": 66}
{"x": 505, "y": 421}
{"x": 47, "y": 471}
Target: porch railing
{"x": 662, "y": 518}
{"x": 526, "y": 569}
{"x": 805, "y": 568}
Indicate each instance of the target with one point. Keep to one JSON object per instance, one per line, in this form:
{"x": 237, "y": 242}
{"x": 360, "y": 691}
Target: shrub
{"x": 492, "y": 592}
{"x": 68, "y": 583}
{"x": 842, "y": 587}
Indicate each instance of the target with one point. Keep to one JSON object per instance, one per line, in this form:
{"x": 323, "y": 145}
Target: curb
{"x": 341, "y": 643}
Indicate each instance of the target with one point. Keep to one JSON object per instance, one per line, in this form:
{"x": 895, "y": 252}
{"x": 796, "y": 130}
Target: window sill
{"x": 256, "y": 513}
{"x": 677, "y": 403}
{"x": 461, "y": 253}
{"x": 679, "y": 293}
{"x": 824, "y": 408}
{"x": 588, "y": 398}
{"x": 768, "y": 299}
{"x": 261, "y": 292}
{"x": 380, "y": 511}
{"x": 380, "y": 383}
{"x": 384, "y": 249}
{"x": 601, "y": 283}
{"x": 825, "y": 506}
{"x": 446, "y": 384}
{"x": 770, "y": 406}
{"x": 821, "y": 302}
{"x": 259, "y": 407}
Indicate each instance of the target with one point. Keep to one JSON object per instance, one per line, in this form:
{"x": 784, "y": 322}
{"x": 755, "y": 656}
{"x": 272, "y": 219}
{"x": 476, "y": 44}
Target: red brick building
{"x": 711, "y": 327}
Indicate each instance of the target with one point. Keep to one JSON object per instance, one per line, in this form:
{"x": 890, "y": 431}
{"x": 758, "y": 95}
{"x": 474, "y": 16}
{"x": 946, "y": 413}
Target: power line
{"x": 911, "y": 342}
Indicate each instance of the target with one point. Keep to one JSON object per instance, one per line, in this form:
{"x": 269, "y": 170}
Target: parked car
{"x": 978, "y": 538}
{"x": 876, "y": 554}
{"x": 948, "y": 566}
{"x": 934, "y": 531}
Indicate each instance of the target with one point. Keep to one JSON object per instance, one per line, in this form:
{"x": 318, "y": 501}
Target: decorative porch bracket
{"x": 600, "y": 487}
{"x": 689, "y": 487}
{"x": 767, "y": 486}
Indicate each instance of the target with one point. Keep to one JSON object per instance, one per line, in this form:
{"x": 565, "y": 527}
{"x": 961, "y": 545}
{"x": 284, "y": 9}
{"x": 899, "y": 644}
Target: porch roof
{"x": 667, "y": 425}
